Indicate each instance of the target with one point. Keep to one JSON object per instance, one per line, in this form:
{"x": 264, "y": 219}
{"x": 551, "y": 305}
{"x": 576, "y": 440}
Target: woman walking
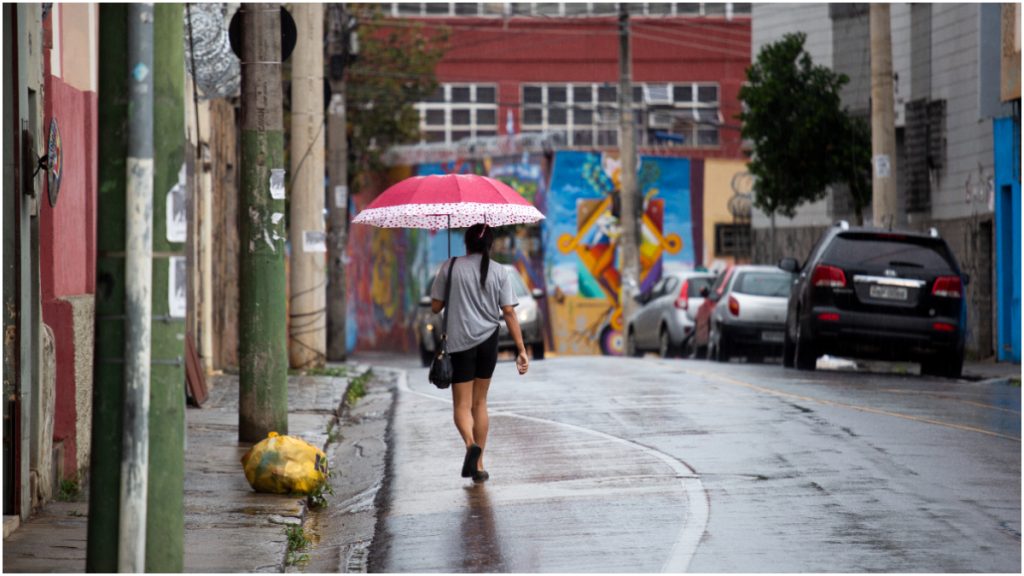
{"x": 481, "y": 295}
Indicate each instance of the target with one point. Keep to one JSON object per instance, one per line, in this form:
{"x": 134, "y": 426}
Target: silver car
{"x": 528, "y": 312}
{"x": 749, "y": 317}
{"x": 665, "y": 321}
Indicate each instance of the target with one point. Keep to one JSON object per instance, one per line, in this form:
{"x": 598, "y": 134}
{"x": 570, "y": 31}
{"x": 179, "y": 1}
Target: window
{"x": 732, "y": 240}
{"x": 671, "y": 114}
{"x": 565, "y": 9}
{"x": 457, "y": 111}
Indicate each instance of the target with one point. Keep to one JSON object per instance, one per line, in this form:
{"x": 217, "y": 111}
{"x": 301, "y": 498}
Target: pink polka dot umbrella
{"x": 448, "y": 201}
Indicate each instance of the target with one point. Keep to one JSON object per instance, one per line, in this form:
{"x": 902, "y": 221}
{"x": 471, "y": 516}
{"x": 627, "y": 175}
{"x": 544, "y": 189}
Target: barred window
{"x": 457, "y": 111}
{"x": 666, "y": 114}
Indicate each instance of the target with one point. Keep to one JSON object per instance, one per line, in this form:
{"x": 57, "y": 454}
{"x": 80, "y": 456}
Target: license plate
{"x": 772, "y": 336}
{"x": 887, "y": 292}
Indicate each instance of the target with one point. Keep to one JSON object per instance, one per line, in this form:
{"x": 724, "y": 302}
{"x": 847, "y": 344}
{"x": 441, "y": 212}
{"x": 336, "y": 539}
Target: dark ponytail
{"x": 479, "y": 238}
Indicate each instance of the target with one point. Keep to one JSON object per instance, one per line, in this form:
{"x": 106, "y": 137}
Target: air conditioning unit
{"x": 660, "y": 120}
{"x": 657, "y": 94}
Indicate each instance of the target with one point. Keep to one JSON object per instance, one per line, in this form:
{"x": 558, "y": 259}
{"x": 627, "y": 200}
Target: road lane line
{"x": 948, "y": 397}
{"x": 773, "y": 392}
{"x": 697, "y": 497}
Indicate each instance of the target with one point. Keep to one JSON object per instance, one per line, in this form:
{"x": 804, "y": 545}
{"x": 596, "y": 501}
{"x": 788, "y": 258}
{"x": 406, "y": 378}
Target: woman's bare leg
{"x": 481, "y": 422}
{"x": 462, "y": 402}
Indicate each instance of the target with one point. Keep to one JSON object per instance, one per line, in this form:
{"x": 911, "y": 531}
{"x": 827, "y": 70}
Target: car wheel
{"x": 788, "y": 350}
{"x": 631, "y": 349}
{"x": 944, "y": 367}
{"x": 804, "y": 356}
{"x": 537, "y": 348}
{"x": 664, "y": 344}
{"x": 425, "y": 357}
{"x": 723, "y": 350}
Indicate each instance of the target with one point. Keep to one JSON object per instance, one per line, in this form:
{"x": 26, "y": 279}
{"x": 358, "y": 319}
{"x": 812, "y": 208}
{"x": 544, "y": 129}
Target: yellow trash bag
{"x": 285, "y": 465}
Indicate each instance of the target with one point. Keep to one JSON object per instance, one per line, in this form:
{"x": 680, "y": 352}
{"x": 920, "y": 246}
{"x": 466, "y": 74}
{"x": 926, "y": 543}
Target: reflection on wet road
{"x": 611, "y": 464}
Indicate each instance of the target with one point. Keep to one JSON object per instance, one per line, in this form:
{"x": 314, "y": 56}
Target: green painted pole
{"x": 263, "y": 354}
{"x": 108, "y": 366}
{"x": 165, "y": 517}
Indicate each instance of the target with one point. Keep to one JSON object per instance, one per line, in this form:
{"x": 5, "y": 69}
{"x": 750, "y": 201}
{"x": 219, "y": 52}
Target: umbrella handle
{"x": 449, "y": 236}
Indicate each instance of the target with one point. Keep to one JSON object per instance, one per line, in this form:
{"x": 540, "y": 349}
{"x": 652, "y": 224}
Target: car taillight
{"x": 943, "y": 327}
{"x": 683, "y": 300}
{"x": 828, "y": 277}
{"x": 734, "y": 306}
{"x": 828, "y": 317}
{"x": 947, "y": 287}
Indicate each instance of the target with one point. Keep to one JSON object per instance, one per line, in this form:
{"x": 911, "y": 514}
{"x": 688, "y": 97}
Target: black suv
{"x": 879, "y": 294}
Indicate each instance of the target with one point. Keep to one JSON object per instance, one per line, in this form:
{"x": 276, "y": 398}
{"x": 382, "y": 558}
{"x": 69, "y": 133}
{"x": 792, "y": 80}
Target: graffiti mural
{"x": 389, "y": 269}
{"x": 581, "y": 239}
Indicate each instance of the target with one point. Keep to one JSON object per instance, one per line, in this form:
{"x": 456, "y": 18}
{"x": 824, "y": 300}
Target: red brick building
{"x": 554, "y": 67}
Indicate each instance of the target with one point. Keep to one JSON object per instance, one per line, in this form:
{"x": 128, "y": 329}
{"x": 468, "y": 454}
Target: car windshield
{"x": 883, "y": 252}
{"x": 517, "y": 283}
{"x": 695, "y": 285}
{"x": 763, "y": 283}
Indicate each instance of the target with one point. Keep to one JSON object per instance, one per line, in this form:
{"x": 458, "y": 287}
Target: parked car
{"x": 664, "y": 322}
{"x": 744, "y": 313}
{"x": 879, "y": 294}
{"x": 529, "y": 313}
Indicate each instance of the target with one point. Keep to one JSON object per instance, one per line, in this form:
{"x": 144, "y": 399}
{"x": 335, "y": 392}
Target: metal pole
{"x": 138, "y": 290}
{"x": 307, "y": 326}
{"x": 629, "y": 213}
{"x": 165, "y": 525}
{"x": 883, "y": 135}
{"x": 108, "y": 366}
{"x": 337, "y": 233}
{"x": 263, "y": 354}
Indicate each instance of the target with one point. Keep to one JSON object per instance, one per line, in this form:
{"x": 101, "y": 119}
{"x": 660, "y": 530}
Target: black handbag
{"x": 441, "y": 366}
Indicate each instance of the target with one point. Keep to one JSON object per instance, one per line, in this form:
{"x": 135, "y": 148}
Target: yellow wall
{"x": 721, "y": 179}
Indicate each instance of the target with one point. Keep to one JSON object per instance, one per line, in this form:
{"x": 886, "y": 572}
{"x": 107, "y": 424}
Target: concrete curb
{"x": 343, "y": 531}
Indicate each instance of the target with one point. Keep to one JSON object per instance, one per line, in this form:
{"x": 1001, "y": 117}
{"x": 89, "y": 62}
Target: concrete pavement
{"x": 228, "y": 527}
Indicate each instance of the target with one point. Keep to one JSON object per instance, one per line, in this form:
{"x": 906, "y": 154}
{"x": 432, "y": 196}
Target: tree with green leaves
{"x": 395, "y": 70}
{"x": 804, "y": 139}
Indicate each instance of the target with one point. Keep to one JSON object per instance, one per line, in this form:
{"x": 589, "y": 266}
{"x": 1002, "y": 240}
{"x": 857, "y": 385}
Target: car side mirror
{"x": 537, "y": 293}
{"x": 642, "y": 298}
{"x": 425, "y": 301}
{"x": 789, "y": 265}
{"x": 705, "y": 292}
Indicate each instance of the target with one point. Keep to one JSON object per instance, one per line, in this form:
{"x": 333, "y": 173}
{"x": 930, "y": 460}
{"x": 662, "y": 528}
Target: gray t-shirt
{"x": 474, "y": 313}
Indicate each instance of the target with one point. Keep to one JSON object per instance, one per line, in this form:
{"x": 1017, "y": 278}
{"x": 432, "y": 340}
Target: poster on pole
{"x": 177, "y": 224}
{"x": 177, "y": 286}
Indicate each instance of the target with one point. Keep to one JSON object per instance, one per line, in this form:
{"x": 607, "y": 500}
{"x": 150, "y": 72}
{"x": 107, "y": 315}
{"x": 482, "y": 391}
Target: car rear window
{"x": 517, "y": 283}
{"x": 696, "y": 284}
{"x": 763, "y": 283}
{"x": 882, "y": 252}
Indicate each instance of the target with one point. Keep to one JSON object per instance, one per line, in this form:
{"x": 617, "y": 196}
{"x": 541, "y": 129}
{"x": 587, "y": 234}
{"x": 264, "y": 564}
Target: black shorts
{"x": 477, "y": 362}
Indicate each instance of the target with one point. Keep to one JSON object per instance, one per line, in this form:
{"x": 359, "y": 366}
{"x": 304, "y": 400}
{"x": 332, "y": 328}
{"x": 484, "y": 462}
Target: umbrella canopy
{"x": 448, "y": 201}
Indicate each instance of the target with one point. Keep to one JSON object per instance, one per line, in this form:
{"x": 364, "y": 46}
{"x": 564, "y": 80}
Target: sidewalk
{"x": 991, "y": 370}
{"x": 228, "y": 527}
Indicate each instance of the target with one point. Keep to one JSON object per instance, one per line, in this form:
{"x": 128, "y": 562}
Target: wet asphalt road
{"x": 603, "y": 464}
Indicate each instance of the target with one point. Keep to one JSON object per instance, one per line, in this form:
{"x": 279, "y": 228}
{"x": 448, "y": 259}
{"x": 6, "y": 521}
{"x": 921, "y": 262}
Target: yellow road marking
{"x": 773, "y": 392}
{"x": 949, "y": 397}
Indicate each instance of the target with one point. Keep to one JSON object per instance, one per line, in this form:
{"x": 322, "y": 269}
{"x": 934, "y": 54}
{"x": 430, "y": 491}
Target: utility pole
{"x": 165, "y": 526}
{"x": 108, "y": 367}
{"x": 307, "y": 326}
{"x": 263, "y": 355}
{"x": 337, "y": 142}
{"x": 883, "y": 136}
{"x": 138, "y": 291}
{"x": 629, "y": 241}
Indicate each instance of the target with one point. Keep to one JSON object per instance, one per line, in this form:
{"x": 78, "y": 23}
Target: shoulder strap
{"x": 447, "y": 298}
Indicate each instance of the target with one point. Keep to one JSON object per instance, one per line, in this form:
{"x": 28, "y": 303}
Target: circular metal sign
{"x": 55, "y": 162}
{"x": 289, "y": 34}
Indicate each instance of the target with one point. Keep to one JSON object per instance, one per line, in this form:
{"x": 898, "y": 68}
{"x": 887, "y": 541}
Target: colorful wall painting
{"x": 581, "y": 239}
{"x": 389, "y": 269}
